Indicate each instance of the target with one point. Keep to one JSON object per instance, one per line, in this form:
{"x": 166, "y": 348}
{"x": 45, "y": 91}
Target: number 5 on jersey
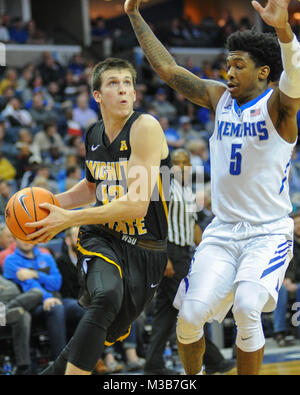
{"x": 235, "y": 160}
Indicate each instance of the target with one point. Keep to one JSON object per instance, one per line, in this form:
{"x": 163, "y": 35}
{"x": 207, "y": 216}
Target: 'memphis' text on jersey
{"x": 245, "y": 129}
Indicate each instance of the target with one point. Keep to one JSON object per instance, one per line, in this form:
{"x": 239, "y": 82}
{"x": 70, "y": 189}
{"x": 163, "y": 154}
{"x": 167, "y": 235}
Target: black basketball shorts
{"x": 136, "y": 271}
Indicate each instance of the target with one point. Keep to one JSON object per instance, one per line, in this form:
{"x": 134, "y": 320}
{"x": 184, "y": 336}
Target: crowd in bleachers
{"x": 14, "y": 30}
{"x": 178, "y": 32}
{"x": 45, "y": 109}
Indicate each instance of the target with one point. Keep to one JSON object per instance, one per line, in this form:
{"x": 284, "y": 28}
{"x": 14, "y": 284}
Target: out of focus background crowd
{"x": 46, "y": 106}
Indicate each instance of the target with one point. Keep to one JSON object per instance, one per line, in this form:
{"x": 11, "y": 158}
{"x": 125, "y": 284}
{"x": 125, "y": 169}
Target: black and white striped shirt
{"x": 182, "y": 214}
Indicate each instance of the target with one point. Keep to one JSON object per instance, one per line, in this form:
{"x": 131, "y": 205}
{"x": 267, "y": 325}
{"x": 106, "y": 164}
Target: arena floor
{"x": 278, "y": 361}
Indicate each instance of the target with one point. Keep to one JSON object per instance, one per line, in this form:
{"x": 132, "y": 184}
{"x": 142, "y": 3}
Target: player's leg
{"x": 261, "y": 270}
{"x": 105, "y": 287}
{"x": 250, "y": 299}
{"x": 208, "y": 293}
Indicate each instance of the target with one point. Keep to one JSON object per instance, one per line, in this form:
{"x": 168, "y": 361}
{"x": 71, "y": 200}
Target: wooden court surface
{"x": 281, "y": 368}
{"x": 291, "y": 368}
{"x": 278, "y": 361}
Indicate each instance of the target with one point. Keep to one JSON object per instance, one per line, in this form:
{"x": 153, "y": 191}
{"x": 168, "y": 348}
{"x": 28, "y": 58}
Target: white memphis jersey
{"x": 250, "y": 163}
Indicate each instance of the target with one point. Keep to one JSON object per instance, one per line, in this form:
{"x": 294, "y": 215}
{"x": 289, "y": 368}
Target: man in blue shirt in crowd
{"x": 30, "y": 268}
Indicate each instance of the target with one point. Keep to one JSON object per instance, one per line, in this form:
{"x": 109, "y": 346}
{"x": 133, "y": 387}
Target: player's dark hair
{"x": 108, "y": 64}
{"x": 263, "y": 48}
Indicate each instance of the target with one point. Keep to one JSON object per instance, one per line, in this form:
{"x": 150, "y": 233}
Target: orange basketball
{"x": 23, "y": 207}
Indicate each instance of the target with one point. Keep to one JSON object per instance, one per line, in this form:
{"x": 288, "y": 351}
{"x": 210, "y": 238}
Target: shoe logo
{"x": 21, "y": 200}
{"x": 153, "y": 285}
{"x": 94, "y": 147}
{"x": 246, "y": 338}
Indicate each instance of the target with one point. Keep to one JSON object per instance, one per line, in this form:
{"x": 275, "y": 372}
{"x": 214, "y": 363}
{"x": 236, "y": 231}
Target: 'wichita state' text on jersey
{"x": 106, "y": 165}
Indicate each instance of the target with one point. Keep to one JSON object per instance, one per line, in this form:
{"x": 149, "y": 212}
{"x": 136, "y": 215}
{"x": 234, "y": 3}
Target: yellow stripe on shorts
{"x": 120, "y": 339}
{"x": 91, "y": 253}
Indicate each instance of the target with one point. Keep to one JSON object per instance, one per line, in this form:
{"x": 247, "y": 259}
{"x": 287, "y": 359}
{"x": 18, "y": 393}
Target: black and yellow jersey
{"x": 106, "y": 165}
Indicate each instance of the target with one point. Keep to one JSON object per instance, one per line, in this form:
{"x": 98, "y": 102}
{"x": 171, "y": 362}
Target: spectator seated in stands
{"x": 186, "y": 130}
{"x": 43, "y": 179}
{"x": 6, "y": 240}
{"x": 71, "y": 160}
{"x": 41, "y": 111}
{"x": 26, "y": 150}
{"x": 17, "y": 31}
{"x": 17, "y": 308}
{"x": 51, "y": 70}
{"x": 73, "y": 175}
{"x": 70, "y": 87}
{"x": 173, "y": 138}
{"x": 5, "y": 195}
{"x": 7, "y": 170}
{"x": 35, "y": 35}
{"x": 199, "y": 157}
{"x": 6, "y": 145}
{"x": 8, "y": 245}
{"x": 82, "y": 113}
{"x": 183, "y": 106}
{"x": 67, "y": 265}
{"x": 15, "y": 114}
{"x": 31, "y": 268}
{"x": 4, "y": 32}
{"x": 77, "y": 65}
{"x": 47, "y": 138}
{"x": 9, "y": 80}
{"x": 163, "y": 107}
{"x": 99, "y": 29}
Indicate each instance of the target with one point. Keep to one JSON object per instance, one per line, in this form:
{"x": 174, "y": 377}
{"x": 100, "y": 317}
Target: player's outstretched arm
{"x": 284, "y": 104}
{"x": 205, "y": 93}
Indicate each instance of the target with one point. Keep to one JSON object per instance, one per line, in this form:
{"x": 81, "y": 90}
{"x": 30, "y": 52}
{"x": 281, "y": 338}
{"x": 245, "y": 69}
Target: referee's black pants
{"x": 165, "y": 315}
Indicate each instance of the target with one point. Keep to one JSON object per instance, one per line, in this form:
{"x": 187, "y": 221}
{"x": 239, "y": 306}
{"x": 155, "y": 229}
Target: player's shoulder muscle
{"x": 146, "y": 134}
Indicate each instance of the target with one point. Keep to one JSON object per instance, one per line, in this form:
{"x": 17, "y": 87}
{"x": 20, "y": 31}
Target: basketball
{"x": 23, "y": 207}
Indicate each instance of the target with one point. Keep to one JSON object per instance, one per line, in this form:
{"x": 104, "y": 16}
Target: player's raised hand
{"x": 131, "y": 6}
{"x": 275, "y": 13}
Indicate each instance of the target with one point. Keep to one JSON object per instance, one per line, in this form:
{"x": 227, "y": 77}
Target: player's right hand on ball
{"x": 131, "y": 6}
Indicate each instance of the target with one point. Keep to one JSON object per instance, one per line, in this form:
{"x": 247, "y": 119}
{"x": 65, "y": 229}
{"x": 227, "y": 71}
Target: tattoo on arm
{"x": 187, "y": 85}
{"x": 154, "y": 50}
{"x": 192, "y": 87}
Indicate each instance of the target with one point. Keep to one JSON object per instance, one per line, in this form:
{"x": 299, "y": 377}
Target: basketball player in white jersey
{"x": 247, "y": 247}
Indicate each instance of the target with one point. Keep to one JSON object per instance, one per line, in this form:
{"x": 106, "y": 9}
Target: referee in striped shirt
{"x": 183, "y": 232}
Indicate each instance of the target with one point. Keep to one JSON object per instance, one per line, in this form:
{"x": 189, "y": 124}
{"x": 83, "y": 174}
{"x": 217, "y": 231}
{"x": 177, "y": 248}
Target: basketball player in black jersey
{"x": 122, "y": 239}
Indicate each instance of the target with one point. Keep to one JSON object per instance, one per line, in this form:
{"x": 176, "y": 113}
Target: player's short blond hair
{"x": 108, "y": 64}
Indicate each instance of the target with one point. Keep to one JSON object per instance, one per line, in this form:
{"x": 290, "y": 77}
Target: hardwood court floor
{"x": 281, "y": 368}
{"x": 278, "y": 361}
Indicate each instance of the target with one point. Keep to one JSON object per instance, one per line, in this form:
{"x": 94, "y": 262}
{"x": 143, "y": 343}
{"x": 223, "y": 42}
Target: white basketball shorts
{"x": 230, "y": 253}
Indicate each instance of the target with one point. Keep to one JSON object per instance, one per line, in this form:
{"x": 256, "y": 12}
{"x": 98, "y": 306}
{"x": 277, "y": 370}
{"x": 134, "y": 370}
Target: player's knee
{"x": 250, "y": 336}
{"x": 105, "y": 302}
{"x": 244, "y": 311}
{"x": 191, "y": 319}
